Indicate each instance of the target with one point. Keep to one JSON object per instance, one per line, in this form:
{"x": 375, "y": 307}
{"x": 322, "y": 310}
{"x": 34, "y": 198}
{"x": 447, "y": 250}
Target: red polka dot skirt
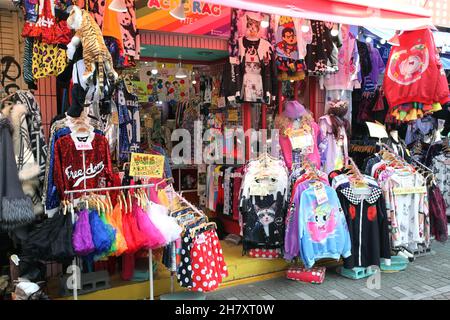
{"x": 208, "y": 264}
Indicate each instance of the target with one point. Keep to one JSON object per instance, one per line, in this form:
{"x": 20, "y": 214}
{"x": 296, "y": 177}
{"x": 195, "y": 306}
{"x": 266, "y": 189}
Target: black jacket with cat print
{"x": 263, "y": 222}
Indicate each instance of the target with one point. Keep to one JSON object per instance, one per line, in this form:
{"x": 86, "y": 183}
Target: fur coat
{"x": 16, "y": 209}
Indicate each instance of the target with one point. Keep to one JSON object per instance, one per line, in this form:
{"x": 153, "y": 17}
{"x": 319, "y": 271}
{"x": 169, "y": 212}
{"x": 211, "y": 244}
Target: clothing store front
{"x": 227, "y": 146}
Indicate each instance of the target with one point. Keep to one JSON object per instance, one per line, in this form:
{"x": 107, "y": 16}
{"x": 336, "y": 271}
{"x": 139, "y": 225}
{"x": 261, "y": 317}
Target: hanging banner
{"x": 146, "y": 165}
{"x": 202, "y": 18}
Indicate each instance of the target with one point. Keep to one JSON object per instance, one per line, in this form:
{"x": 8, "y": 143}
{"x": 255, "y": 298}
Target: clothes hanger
{"x": 124, "y": 201}
{"x": 205, "y": 226}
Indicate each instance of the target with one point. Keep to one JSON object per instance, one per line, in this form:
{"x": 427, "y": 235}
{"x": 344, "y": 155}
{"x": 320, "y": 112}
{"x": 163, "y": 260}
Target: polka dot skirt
{"x": 314, "y": 275}
{"x": 264, "y": 253}
{"x": 208, "y": 264}
{"x": 184, "y": 272}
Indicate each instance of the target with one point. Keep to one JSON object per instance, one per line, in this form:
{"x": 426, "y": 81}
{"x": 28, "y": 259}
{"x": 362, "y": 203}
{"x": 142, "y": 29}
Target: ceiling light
{"x": 118, "y": 6}
{"x": 154, "y": 67}
{"x": 194, "y": 82}
{"x": 368, "y": 39}
{"x": 180, "y": 72}
{"x": 265, "y": 22}
{"x": 335, "y": 30}
{"x": 178, "y": 12}
{"x": 383, "y": 41}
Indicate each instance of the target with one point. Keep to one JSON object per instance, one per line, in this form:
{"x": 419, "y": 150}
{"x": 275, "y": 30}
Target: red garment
{"x": 69, "y": 168}
{"x": 47, "y": 28}
{"x": 236, "y": 191}
{"x": 314, "y": 275}
{"x": 128, "y": 233}
{"x": 414, "y": 71}
{"x": 208, "y": 264}
{"x": 265, "y": 253}
{"x": 127, "y": 267}
{"x": 132, "y": 233}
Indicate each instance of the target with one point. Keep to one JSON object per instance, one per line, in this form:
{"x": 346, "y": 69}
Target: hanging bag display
{"x": 48, "y": 60}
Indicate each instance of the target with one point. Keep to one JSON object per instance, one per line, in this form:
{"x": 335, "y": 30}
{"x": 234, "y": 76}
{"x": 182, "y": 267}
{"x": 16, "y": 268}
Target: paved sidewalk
{"x": 427, "y": 278}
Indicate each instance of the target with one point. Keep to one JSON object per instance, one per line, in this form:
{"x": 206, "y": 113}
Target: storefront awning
{"x": 390, "y": 14}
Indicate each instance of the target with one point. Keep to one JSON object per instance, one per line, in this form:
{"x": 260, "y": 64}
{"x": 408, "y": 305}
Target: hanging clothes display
{"x": 252, "y": 69}
{"x": 405, "y": 193}
{"x": 415, "y": 82}
{"x": 300, "y": 134}
{"x": 81, "y": 159}
{"x": 322, "y": 52}
{"x": 334, "y": 145}
{"x": 290, "y": 47}
{"x": 440, "y": 165}
{"x": 364, "y": 207}
{"x": 317, "y": 227}
{"x": 16, "y": 209}
{"x": 263, "y": 203}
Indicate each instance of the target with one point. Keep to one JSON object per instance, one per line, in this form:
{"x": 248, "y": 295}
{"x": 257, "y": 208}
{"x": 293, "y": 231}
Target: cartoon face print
{"x": 321, "y": 216}
{"x": 322, "y": 222}
{"x": 253, "y": 67}
{"x": 407, "y": 66}
{"x": 287, "y": 47}
{"x": 253, "y": 27}
{"x": 288, "y": 36}
{"x": 266, "y": 216}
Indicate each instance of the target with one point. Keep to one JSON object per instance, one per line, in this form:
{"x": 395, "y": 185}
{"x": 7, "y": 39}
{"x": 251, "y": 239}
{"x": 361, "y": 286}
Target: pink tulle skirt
{"x": 155, "y": 239}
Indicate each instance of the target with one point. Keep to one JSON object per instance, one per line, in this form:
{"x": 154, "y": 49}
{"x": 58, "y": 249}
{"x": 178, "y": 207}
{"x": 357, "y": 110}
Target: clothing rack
{"x": 179, "y": 196}
{"x": 150, "y": 252}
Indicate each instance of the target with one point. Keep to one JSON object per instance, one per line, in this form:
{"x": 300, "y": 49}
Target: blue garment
{"x": 420, "y": 128}
{"x": 323, "y": 230}
{"x": 167, "y": 169}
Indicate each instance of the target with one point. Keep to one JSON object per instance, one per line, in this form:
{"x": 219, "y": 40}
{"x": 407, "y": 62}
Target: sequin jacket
{"x": 69, "y": 170}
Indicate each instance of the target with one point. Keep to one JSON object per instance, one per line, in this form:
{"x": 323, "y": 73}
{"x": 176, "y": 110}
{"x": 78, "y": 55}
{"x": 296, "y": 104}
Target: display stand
{"x": 188, "y": 295}
{"x": 150, "y": 253}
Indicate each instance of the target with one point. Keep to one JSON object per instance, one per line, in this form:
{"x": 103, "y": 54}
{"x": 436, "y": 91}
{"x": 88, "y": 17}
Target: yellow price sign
{"x": 146, "y": 165}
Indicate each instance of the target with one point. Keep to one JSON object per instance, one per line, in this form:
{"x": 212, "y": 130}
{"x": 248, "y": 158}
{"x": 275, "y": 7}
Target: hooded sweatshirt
{"x": 414, "y": 72}
{"x": 368, "y": 225}
{"x": 323, "y": 231}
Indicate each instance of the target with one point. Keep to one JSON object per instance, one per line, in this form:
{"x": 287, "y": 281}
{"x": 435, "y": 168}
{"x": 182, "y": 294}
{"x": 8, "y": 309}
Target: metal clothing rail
{"x": 150, "y": 252}
{"x": 172, "y": 274}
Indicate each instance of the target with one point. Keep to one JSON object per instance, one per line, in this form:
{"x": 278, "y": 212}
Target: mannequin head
{"x": 337, "y": 111}
{"x": 338, "y": 108}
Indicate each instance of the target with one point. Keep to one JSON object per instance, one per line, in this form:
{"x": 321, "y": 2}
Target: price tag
{"x": 148, "y": 123}
{"x": 221, "y": 102}
{"x": 81, "y": 142}
{"x": 320, "y": 193}
{"x": 410, "y": 190}
{"x": 201, "y": 238}
{"x": 115, "y": 118}
{"x": 302, "y": 141}
{"x": 233, "y": 115}
{"x": 234, "y": 60}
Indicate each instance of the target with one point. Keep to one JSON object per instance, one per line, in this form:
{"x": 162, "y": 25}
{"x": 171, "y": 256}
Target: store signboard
{"x": 146, "y": 165}
{"x": 202, "y": 18}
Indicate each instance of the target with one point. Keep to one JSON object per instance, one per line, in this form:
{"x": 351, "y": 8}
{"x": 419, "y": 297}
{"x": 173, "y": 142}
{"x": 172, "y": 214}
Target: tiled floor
{"x": 428, "y": 278}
